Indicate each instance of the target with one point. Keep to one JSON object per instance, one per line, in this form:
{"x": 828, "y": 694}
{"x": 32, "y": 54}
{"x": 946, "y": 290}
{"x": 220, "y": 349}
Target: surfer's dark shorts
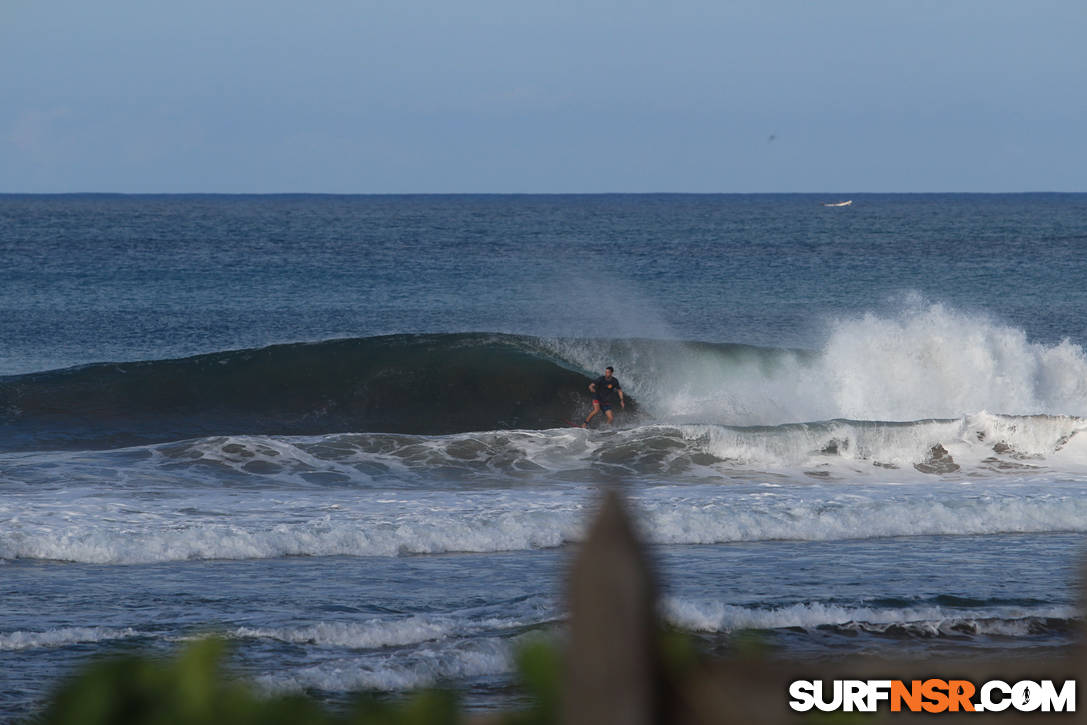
{"x": 602, "y": 404}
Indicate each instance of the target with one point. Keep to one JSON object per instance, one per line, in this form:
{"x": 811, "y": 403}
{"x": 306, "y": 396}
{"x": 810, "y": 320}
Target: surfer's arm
{"x": 592, "y": 387}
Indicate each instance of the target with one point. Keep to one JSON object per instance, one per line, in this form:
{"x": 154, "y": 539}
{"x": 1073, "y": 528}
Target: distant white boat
{"x": 839, "y": 203}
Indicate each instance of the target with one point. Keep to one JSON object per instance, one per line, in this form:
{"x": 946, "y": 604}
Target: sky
{"x": 510, "y": 96}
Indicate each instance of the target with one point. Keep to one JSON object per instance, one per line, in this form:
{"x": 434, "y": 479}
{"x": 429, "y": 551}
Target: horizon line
{"x": 532, "y": 193}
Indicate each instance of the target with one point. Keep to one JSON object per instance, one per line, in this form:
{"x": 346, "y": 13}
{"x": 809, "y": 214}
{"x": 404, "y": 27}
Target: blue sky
{"x": 510, "y": 96}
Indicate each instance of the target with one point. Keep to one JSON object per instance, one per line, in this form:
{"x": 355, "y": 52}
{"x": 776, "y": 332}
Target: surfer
{"x": 602, "y": 389}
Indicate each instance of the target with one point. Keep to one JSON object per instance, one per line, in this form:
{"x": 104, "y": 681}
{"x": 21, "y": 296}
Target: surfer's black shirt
{"x": 605, "y": 388}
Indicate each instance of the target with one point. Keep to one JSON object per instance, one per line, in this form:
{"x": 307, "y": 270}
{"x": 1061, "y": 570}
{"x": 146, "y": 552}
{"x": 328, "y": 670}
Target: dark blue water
{"x": 93, "y": 278}
{"x": 854, "y": 429}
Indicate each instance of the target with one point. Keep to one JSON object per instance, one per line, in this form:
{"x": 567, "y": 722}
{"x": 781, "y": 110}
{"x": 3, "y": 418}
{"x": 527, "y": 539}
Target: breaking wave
{"x": 923, "y": 363}
{"x": 922, "y": 620}
{"x": 64, "y": 637}
{"x": 387, "y": 524}
{"x": 403, "y": 669}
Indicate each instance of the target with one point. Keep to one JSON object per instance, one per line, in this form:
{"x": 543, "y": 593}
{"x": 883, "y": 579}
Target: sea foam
{"x": 377, "y": 524}
{"x": 403, "y": 669}
{"x": 923, "y": 361}
{"x": 715, "y": 616}
{"x": 63, "y": 637}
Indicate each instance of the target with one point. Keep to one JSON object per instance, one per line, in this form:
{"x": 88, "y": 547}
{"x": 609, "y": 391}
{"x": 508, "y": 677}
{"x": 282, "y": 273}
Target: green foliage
{"x": 749, "y": 644}
{"x": 540, "y": 665}
{"x": 679, "y": 652}
{"x": 428, "y": 707}
{"x": 192, "y": 689}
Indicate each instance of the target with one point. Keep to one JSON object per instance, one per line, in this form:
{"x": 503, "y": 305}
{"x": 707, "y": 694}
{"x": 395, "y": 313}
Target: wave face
{"x": 428, "y": 384}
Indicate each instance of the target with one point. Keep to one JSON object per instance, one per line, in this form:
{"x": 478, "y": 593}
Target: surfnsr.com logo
{"x": 932, "y": 695}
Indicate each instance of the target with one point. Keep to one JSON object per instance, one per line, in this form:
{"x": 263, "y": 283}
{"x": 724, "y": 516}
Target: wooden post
{"x": 613, "y": 672}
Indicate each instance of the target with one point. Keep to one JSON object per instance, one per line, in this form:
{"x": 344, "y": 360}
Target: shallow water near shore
{"x": 334, "y": 625}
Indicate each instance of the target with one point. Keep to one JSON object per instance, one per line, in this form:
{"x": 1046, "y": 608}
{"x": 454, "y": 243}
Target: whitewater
{"x": 841, "y": 434}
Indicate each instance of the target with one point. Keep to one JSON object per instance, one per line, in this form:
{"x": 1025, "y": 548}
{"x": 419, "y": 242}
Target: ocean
{"x": 332, "y": 429}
